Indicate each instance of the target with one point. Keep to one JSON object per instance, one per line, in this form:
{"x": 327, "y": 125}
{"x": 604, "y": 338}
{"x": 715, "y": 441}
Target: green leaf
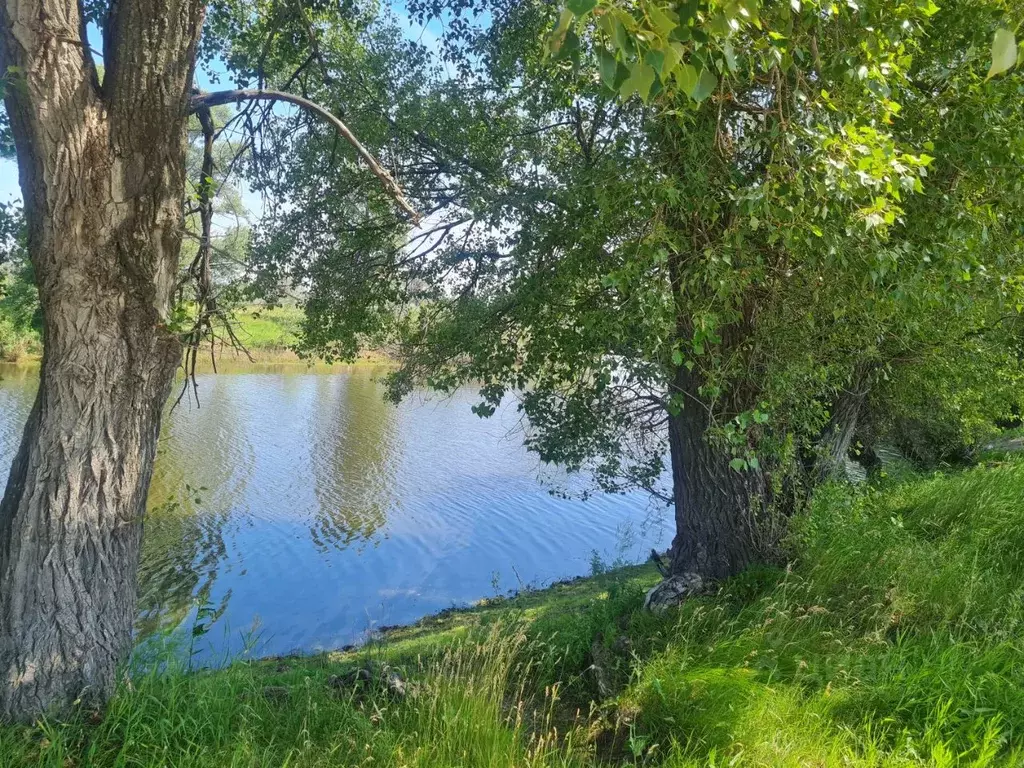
{"x": 656, "y": 88}
{"x": 558, "y": 36}
{"x": 706, "y": 84}
{"x": 686, "y": 78}
{"x": 570, "y": 46}
{"x": 730, "y": 56}
{"x": 608, "y": 66}
{"x": 661, "y": 21}
{"x": 656, "y": 59}
{"x": 687, "y": 10}
{"x": 672, "y": 55}
{"x": 681, "y": 34}
{"x": 563, "y": 22}
{"x": 621, "y": 37}
{"x": 621, "y": 75}
{"x": 749, "y": 8}
{"x": 1004, "y": 52}
{"x": 720, "y": 25}
{"x": 738, "y": 464}
{"x": 580, "y": 7}
{"x": 640, "y": 80}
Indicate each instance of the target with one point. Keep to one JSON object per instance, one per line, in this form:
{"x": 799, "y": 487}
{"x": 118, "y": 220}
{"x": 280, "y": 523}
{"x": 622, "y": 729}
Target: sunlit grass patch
{"x": 268, "y": 327}
{"x": 893, "y": 639}
{"x": 466, "y": 706}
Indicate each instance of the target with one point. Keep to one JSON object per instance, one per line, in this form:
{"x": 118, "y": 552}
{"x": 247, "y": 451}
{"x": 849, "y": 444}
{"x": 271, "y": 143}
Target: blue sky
{"x": 9, "y": 182}
{"x": 428, "y": 36}
{"x": 9, "y": 189}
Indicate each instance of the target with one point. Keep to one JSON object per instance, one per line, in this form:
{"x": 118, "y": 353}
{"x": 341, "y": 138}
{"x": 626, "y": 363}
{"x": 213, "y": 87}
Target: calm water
{"x": 303, "y": 511}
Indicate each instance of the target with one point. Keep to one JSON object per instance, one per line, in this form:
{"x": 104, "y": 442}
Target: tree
{"x": 705, "y": 230}
{"x": 852, "y": 303}
{"x": 947, "y": 363}
{"x": 102, "y": 163}
{"x": 656, "y": 303}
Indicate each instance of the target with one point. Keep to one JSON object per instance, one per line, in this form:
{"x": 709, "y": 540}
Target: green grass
{"x": 270, "y": 335}
{"x": 893, "y": 639}
{"x": 17, "y": 343}
{"x": 275, "y": 329}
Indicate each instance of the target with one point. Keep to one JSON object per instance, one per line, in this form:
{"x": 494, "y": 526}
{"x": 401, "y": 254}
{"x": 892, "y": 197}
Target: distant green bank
{"x": 268, "y": 336}
{"x": 275, "y": 328}
{"x": 19, "y": 342}
{"x": 266, "y": 333}
{"x": 893, "y": 638}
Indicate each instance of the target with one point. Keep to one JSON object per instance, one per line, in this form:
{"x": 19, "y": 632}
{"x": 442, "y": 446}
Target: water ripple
{"x": 304, "y": 504}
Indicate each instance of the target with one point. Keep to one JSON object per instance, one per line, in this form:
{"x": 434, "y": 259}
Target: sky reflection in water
{"x": 305, "y": 506}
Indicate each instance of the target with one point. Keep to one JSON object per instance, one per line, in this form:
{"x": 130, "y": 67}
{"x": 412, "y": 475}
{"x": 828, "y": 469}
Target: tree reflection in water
{"x": 183, "y": 547}
{"x": 354, "y": 461}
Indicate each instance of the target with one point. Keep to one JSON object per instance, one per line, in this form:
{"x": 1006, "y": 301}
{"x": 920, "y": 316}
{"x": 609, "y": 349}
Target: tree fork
{"x": 836, "y": 438}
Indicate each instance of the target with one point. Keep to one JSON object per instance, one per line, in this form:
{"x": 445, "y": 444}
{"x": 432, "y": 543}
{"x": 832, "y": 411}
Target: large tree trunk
{"x": 720, "y": 512}
{"x": 722, "y": 520}
{"x": 102, "y": 174}
{"x": 722, "y": 524}
{"x": 718, "y": 509}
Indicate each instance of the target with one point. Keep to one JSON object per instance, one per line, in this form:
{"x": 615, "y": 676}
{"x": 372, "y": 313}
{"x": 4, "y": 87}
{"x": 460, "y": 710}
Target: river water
{"x": 298, "y": 511}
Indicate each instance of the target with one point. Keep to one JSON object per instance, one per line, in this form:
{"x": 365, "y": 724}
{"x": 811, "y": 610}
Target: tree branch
{"x": 199, "y": 270}
{"x": 200, "y": 100}
{"x": 314, "y": 45}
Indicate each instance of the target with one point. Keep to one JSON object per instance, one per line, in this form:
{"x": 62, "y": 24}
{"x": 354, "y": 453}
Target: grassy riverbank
{"x": 268, "y": 334}
{"x": 18, "y": 344}
{"x": 893, "y": 639}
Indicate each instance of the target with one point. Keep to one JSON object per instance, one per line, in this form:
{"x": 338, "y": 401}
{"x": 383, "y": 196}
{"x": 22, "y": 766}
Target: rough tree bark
{"x": 719, "y": 525}
{"x": 718, "y": 510}
{"x": 102, "y": 174}
{"x": 716, "y": 506}
{"x": 835, "y": 440}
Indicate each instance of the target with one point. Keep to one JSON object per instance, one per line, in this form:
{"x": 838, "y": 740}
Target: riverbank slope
{"x": 891, "y": 639}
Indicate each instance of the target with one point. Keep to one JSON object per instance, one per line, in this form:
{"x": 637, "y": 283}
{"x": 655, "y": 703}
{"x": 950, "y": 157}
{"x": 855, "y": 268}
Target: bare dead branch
{"x": 199, "y": 269}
